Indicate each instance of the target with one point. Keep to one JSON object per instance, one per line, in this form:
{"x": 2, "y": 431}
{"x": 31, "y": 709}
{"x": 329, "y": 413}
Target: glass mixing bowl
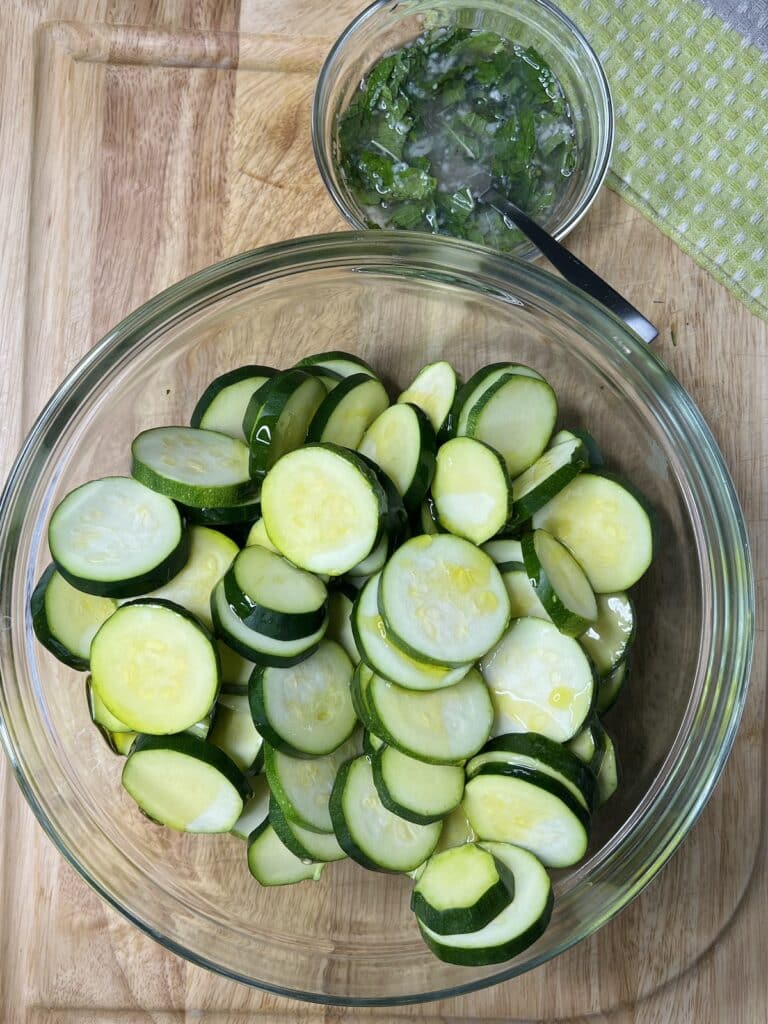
{"x": 387, "y": 24}
{"x": 399, "y": 300}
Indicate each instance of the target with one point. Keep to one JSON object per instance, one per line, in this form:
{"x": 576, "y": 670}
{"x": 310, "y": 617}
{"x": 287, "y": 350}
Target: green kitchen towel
{"x": 691, "y": 151}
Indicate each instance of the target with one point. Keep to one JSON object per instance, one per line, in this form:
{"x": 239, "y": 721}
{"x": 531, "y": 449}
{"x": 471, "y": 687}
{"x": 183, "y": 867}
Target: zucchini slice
{"x": 605, "y": 527}
{"x": 511, "y": 804}
{"x": 504, "y": 551}
{"x": 122, "y": 742}
{"x": 589, "y": 744}
{"x": 442, "y": 727}
{"x": 322, "y": 508}
{"x": 462, "y": 890}
{"x": 303, "y": 786}
{"x": 480, "y": 381}
{"x": 345, "y": 413}
{"x": 608, "y": 773}
{"x": 560, "y": 583}
{"x": 415, "y": 790}
{"x": 523, "y": 600}
{"x": 255, "y": 808}
{"x": 185, "y": 783}
{"x": 257, "y": 646}
{"x": 243, "y": 514}
{"x": 210, "y": 555}
{"x": 456, "y": 830}
{"x": 235, "y": 670}
{"x": 341, "y": 601}
{"x": 155, "y": 667}
{"x": 515, "y": 928}
{"x": 530, "y": 750}
{"x": 273, "y": 597}
{"x": 305, "y": 710}
{"x": 278, "y": 416}
{"x": 432, "y": 390}
{"x": 402, "y": 442}
{"x": 443, "y": 600}
{"x": 471, "y": 489}
{"x": 222, "y": 405}
{"x": 607, "y": 640}
{"x": 272, "y": 863}
{"x": 100, "y": 714}
{"x": 65, "y": 620}
{"x": 114, "y": 537}
{"x": 258, "y": 535}
{"x": 611, "y": 686}
{"x": 343, "y": 363}
{"x": 548, "y": 475}
{"x": 381, "y": 654}
{"x": 428, "y": 518}
{"x": 234, "y": 733}
{"x": 306, "y": 845}
{"x": 371, "y": 743}
{"x": 540, "y": 681}
{"x": 368, "y": 832}
{"x": 196, "y": 467}
{"x": 515, "y": 416}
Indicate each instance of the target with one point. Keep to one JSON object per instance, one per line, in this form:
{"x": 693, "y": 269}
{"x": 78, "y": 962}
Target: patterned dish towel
{"x": 690, "y": 91}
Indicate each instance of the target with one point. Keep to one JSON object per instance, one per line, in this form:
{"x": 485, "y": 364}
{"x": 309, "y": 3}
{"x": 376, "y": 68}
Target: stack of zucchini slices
{"x": 338, "y": 627}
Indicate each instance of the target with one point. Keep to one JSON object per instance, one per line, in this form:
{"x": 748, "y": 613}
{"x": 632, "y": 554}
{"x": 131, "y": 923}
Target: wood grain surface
{"x": 144, "y": 139}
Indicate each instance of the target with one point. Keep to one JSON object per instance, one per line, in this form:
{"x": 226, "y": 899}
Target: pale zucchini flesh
{"x": 607, "y": 640}
{"x": 415, "y": 790}
{"x": 66, "y": 620}
{"x": 210, "y": 555}
{"x": 471, "y": 489}
{"x": 461, "y": 890}
{"x": 402, "y": 442}
{"x": 432, "y": 390}
{"x": 272, "y": 863}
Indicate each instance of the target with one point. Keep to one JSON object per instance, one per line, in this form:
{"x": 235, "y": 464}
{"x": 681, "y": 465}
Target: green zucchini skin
{"x": 42, "y": 626}
{"x": 218, "y": 385}
{"x": 542, "y": 781}
{"x": 193, "y": 746}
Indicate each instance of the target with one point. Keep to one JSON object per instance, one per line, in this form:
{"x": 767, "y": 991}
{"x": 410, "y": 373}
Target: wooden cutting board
{"x": 144, "y": 139}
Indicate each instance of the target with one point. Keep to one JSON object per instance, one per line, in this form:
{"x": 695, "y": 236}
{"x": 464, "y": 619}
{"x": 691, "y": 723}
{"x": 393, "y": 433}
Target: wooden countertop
{"x": 126, "y": 130}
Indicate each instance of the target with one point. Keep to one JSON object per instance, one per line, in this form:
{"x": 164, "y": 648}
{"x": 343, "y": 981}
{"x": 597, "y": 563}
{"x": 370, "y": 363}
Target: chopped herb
{"x": 453, "y": 103}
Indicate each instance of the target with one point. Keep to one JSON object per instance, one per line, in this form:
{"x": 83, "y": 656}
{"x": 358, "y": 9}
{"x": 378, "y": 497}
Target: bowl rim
{"x": 398, "y": 252}
{"x": 324, "y": 158}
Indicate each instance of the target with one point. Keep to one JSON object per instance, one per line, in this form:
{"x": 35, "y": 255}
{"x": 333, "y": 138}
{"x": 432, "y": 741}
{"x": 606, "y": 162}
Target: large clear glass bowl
{"x": 388, "y": 24}
{"x": 399, "y": 300}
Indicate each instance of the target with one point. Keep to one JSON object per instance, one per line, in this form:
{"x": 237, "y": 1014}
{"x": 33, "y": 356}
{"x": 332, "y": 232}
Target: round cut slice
{"x": 443, "y": 599}
{"x": 322, "y": 508}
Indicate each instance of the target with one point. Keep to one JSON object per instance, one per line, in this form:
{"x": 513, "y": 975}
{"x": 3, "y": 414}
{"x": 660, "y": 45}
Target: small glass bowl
{"x": 388, "y": 24}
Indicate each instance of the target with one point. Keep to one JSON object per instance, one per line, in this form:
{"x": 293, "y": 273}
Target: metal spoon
{"x": 485, "y": 190}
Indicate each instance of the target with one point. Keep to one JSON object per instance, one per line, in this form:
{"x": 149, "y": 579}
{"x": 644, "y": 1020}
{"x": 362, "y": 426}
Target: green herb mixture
{"x": 453, "y": 103}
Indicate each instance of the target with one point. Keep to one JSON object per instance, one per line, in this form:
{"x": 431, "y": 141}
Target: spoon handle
{"x": 572, "y": 268}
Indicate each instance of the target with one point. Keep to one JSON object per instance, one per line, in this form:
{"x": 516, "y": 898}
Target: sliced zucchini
{"x": 345, "y": 413}
{"x": 594, "y": 455}
{"x": 241, "y": 515}
{"x": 122, "y": 742}
{"x": 504, "y": 551}
{"x": 303, "y": 786}
{"x": 371, "y": 743}
{"x": 328, "y": 378}
{"x": 523, "y": 600}
{"x": 589, "y": 744}
{"x": 548, "y": 475}
{"x": 540, "y": 681}
{"x": 222, "y": 405}
{"x": 608, "y": 773}
{"x": 273, "y": 597}
{"x": 480, "y": 381}
{"x": 443, "y": 600}
{"x": 432, "y": 390}
{"x": 428, "y": 517}
{"x": 515, "y": 928}
{"x": 442, "y": 727}
{"x": 258, "y": 535}
{"x": 374, "y": 562}
{"x": 322, "y": 508}
{"x": 210, "y": 555}
{"x": 515, "y": 416}
{"x": 234, "y": 733}
{"x": 114, "y": 537}
{"x": 306, "y": 845}
{"x": 235, "y": 670}
{"x": 155, "y": 667}
{"x": 414, "y": 790}
{"x": 611, "y": 686}
{"x": 343, "y": 363}
{"x": 256, "y": 646}
{"x": 305, "y": 710}
{"x": 340, "y": 604}
{"x": 560, "y": 582}
{"x": 185, "y": 783}
{"x": 605, "y": 527}
{"x": 456, "y": 830}
{"x": 100, "y": 714}
{"x": 278, "y": 416}
{"x": 196, "y": 467}
{"x": 462, "y": 890}
{"x": 272, "y": 863}
{"x": 471, "y": 489}
{"x": 530, "y": 750}
{"x": 607, "y": 640}
{"x": 385, "y": 657}
{"x": 255, "y": 809}
{"x": 402, "y": 442}
{"x": 65, "y": 620}
{"x": 368, "y": 832}
{"x": 511, "y": 804}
